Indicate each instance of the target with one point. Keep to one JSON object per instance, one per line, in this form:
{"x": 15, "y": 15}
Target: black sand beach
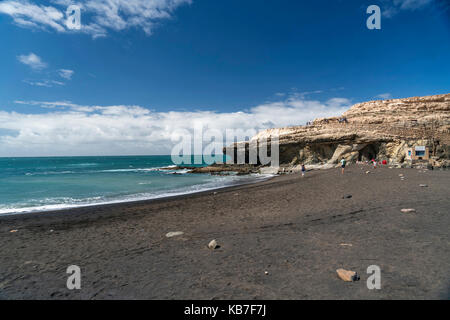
{"x": 279, "y": 239}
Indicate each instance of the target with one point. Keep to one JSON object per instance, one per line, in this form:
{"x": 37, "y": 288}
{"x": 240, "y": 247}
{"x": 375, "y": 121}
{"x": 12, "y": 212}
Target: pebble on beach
{"x": 346, "y": 245}
{"x": 174, "y": 234}
{"x": 14, "y": 231}
{"x": 213, "y": 245}
{"x": 408, "y": 210}
{"x": 424, "y": 186}
{"x": 347, "y": 275}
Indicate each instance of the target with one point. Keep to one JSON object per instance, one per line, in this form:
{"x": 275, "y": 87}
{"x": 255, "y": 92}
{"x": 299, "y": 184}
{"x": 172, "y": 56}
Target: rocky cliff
{"x": 385, "y": 130}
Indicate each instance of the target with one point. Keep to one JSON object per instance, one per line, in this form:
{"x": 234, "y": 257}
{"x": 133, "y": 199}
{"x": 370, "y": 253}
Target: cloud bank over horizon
{"x": 68, "y": 129}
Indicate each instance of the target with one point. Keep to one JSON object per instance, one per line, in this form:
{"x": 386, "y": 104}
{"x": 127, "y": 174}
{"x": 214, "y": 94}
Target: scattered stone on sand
{"x": 367, "y": 172}
{"x": 347, "y": 196}
{"x": 424, "y": 186}
{"x": 213, "y": 245}
{"x": 214, "y": 193}
{"x": 174, "y": 234}
{"x": 408, "y": 210}
{"x": 266, "y": 273}
{"x": 14, "y": 231}
{"x": 400, "y": 175}
{"x": 346, "y": 245}
{"x": 347, "y": 275}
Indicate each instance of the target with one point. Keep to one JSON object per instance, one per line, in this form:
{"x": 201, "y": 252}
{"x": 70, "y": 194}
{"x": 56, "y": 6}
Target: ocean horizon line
{"x": 95, "y": 156}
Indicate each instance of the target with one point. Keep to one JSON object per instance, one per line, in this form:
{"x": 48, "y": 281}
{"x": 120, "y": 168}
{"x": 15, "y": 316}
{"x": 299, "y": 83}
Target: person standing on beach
{"x": 343, "y": 164}
{"x": 303, "y": 170}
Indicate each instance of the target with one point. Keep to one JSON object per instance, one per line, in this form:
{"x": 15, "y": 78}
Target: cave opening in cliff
{"x": 369, "y": 152}
{"x": 309, "y": 154}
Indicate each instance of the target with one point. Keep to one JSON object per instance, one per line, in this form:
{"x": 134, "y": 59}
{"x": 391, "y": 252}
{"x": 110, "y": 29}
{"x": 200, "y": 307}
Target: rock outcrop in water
{"x": 385, "y": 130}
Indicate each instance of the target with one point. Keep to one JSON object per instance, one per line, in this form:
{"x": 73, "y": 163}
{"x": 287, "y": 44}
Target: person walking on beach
{"x": 343, "y": 164}
{"x": 303, "y": 170}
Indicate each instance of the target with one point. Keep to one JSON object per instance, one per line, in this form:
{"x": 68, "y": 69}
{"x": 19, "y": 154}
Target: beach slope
{"x": 279, "y": 239}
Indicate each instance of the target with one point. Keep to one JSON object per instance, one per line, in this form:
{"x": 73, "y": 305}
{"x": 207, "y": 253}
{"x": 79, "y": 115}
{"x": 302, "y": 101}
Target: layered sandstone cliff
{"x": 385, "y": 130}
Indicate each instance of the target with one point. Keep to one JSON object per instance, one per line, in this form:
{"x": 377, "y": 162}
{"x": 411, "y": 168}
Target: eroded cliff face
{"x": 384, "y": 130}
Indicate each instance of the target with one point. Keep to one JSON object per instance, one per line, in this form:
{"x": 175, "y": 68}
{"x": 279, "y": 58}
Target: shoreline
{"x": 117, "y": 202}
{"x": 282, "y": 238}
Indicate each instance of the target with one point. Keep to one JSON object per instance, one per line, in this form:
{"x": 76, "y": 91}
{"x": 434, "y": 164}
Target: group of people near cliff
{"x": 343, "y": 163}
{"x": 373, "y": 162}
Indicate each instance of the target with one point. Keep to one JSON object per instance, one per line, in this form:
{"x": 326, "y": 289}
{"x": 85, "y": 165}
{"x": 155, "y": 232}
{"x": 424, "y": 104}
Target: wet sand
{"x": 298, "y": 230}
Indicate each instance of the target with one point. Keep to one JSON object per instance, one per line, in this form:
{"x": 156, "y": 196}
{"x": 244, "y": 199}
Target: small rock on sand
{"x": 408, "y": 210}
{"x": 346, "y": 245}
{"x": 213, "y": 245}
{"x": 367, "y": 172}
{"x": 14, "y": 231}
{"x": 347, "y": 275}
{"x": 424, "y": 186}
{"x": 347, "y": 196}
{"x": 174, "y": 234}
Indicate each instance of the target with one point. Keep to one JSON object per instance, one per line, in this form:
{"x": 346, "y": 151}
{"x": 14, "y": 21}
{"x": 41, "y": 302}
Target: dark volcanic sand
{"x": 291, "y": 227}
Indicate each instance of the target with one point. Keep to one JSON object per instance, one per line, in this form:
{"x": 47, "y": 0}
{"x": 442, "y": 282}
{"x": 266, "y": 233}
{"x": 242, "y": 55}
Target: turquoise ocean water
{"x": 42, "y": 184}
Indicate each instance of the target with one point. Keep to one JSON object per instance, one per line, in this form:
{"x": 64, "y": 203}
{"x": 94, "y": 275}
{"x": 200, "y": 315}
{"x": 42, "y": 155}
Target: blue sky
{"x": 170, "y": 63}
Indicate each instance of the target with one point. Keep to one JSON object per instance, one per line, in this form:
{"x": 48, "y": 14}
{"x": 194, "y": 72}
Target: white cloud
{"x": 28, "y": 14}
{"x": 384, "y": 96}
{"x": 98, "y": 16}
{"x": 72, "y": 129}
{"x": 66, "y": 73}
{"x": 44, "y": 83}
{"x": 392, "y": 7}
{"x": 411, "y": 4}
{"x": 33, "y": 61}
